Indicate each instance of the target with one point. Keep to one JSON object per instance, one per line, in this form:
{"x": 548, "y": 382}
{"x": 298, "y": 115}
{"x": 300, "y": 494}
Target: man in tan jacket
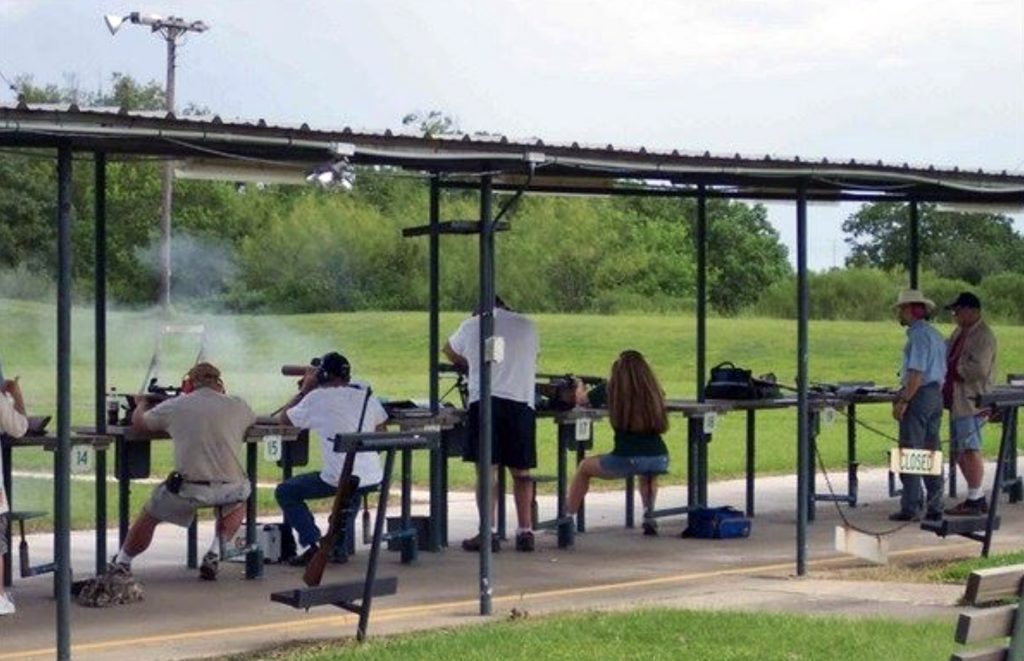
{"x": 970, "y": 360}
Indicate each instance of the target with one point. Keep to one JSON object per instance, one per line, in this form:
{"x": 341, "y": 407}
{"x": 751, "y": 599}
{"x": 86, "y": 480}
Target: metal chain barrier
{"x": 831, "y": 490}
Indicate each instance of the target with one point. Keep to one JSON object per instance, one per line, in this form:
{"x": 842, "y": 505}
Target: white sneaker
{"x": 119, "y": 571}
{"x": 6, "y": 605}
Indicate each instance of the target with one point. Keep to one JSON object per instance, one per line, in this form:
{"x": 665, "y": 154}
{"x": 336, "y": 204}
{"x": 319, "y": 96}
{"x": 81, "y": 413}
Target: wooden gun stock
{"x": 347, "y": 486}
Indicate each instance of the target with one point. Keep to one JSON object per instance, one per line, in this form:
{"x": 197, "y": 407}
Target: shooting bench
{"x": 1005, "y": 402}
{"x": 977, "y": 625}
{"x": 82, "y": 459}
{"x": 575, "y": 432}
{"x": 132, "y": 461}
{"x": 357, "y": 597}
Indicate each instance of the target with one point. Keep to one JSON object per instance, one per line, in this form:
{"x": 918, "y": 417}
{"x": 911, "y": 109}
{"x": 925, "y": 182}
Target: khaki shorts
{"x": 180, "y": 508}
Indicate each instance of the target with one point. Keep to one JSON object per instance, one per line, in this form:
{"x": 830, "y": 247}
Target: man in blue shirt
{"x": 918, "y": 408}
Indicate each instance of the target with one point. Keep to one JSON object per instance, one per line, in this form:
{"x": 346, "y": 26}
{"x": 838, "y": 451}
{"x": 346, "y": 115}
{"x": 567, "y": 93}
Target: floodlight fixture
{"x": 114, "y": 22}
{"x": 172, "y": 26}
{"x": 338, "y": 173}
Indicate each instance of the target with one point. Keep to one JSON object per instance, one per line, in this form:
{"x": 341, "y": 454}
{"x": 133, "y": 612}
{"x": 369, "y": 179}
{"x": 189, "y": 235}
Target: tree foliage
{"x": 964, "y": 246}
{"x": 432, "y": 123}
{"x": 125, "y": 92}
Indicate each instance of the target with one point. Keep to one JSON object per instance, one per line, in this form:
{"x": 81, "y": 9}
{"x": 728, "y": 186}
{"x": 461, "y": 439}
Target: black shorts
{"x": 513, "y": 434}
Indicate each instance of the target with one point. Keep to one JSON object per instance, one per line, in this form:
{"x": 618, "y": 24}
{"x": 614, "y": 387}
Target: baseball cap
{"x": 965, "y": 300}
{"x": 336, "y": 365}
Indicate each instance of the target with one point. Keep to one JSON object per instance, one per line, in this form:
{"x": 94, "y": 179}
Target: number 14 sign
{"x": 82, "y": 459}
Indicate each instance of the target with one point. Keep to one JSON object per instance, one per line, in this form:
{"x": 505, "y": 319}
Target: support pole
{"x": 701, "y": 236}
{"x": 62, "y": 457}
{"x": 167, "y": 182}
{"x": 438, "y": 455}
{"x": 254, "y": 553}
{"x": 914, "y": 240}
{"x": 434, "y": 248}
{"x": 100, "y": 286}
{"x": 751, "y": 459}
{"x": 486, "y": 335}
{"x": 803, "y": 437}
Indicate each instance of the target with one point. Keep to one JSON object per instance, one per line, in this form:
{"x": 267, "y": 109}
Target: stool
{"x": 630, "y": 500}
{"x": 25, "y": 564}
{"x": 225, "y": 553}
{"x": 534, "y": 480}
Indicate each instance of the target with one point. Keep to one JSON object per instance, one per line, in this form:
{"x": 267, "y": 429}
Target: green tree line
{"x": 298, "y": 249}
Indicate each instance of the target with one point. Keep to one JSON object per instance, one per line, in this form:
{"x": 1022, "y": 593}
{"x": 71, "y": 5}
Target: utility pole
{"x": 171, "y": 29}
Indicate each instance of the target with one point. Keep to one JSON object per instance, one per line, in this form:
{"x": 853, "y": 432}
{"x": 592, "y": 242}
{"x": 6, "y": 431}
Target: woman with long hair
{"x": 636, "y": 408}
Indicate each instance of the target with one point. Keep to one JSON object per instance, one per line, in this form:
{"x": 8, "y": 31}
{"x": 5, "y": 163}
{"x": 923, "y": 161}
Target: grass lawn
{"x": 657, "y": 634}
{"x": 390, "y": 351}
{"x": 958, "y": 572}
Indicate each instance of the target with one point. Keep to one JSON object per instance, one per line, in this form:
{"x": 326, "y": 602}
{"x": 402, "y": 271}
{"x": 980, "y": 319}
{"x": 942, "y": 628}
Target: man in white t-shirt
{"x": 13, "y": 423}
{"x": 513, "y": 423}
{"x": 329, "y": 405}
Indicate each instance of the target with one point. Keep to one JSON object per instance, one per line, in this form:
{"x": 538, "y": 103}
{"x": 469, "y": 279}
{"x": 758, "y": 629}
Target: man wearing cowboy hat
{"x": 918, "y": 408}
{"x": 970, "y": 360}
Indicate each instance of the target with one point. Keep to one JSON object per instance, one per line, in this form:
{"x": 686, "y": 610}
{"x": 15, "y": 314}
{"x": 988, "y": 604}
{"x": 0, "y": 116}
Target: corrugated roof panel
{"x": 155, "y": 132}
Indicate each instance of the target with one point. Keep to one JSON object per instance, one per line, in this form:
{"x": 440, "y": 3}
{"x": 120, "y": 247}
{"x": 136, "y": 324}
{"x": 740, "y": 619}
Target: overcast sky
{"x": 917, "y": 81}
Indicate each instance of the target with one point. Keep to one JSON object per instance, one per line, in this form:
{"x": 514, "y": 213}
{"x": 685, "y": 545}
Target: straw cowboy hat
{"x": 909, "y": 296}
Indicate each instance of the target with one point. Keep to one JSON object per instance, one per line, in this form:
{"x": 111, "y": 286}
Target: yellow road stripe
{"x": 388, "y": 614}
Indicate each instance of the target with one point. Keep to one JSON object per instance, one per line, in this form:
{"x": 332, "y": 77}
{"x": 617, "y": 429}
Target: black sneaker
{"x": 933, "y": 516}
{"x": 303, "y": 559}
{"x": 209, "y": 567}
{"x": 524, "y": 541}
{"x": 904, "y": 516}
{"x": 650, "y": 526}
{"x": 473, "y": 543}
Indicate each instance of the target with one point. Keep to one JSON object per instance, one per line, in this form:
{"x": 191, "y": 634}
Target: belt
{"x": 207, "y": 483}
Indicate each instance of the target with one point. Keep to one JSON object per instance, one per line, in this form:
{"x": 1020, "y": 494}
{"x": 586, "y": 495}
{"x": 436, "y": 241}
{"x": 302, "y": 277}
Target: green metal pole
{"x": 62, "y": 457}
{"x": 803, "y": 417}
{"x": 486, "y": 334}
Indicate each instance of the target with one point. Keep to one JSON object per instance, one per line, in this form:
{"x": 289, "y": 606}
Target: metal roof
{"x": 539, "y": 165}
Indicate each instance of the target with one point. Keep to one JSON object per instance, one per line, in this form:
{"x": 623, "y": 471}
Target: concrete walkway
{"x": 609, "y": 568}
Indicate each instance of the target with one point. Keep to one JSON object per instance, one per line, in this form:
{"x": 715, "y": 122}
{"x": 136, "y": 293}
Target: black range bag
{"x": 730, "y": 382}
